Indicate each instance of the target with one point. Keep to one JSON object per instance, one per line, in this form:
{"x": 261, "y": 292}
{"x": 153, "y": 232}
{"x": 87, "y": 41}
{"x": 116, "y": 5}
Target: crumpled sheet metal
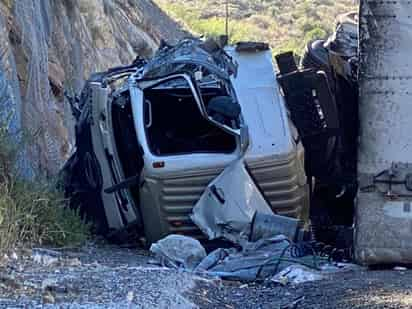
{"x": 187, "y": 56}
{"x": 260, "y": 261}
{"x": 266, "y": 226}
{"x": 227, "y": 206}
{"x": 344, "y": 41}
{"x": 343, "y": 45}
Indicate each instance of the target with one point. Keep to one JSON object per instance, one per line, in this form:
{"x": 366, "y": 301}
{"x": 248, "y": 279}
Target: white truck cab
{"x": 178, "y": 165}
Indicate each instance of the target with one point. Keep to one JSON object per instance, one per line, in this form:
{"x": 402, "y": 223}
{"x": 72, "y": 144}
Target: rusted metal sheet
{"x": 383, "y": 211}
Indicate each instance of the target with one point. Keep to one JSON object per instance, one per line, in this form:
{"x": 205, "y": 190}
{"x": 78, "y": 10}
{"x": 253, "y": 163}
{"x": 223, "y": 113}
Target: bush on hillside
{"x": 32, "y": 212}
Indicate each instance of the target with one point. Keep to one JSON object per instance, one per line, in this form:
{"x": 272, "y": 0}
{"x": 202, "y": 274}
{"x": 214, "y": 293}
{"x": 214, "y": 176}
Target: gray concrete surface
{"x": 112, "y": 277}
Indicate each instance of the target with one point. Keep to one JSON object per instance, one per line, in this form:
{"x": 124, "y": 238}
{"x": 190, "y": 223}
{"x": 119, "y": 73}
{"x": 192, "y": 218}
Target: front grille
{"x": 179, "y": 195}
{"x": 281, "y": 183}
{"x": 282, "y": 187}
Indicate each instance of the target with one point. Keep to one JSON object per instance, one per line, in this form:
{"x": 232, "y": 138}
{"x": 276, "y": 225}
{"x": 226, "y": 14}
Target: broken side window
{"x": 175, "y": 125}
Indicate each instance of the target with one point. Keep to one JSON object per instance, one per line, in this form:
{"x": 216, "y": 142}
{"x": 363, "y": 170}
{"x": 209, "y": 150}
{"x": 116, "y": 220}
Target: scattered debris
{"x": 265, "y": 226}
{"x": 254, "y": 261}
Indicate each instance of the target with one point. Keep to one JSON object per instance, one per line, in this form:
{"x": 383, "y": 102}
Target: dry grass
{"x": 32, "y": 212}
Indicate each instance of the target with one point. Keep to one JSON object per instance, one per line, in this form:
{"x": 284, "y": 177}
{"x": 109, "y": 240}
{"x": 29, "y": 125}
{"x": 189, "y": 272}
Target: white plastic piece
{"x": 179, "y": 251}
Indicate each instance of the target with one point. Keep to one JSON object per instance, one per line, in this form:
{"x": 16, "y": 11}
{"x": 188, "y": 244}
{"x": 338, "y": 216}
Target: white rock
{"x": 400, "y": 268}
{"x": 48, "y": 283}
{"x": 130, "y": 296}
{"x": 45, "y": 257}
{"x": 14, "y": 256}
{"x": 73, "y": 262}
{"x": 296, "y": 274}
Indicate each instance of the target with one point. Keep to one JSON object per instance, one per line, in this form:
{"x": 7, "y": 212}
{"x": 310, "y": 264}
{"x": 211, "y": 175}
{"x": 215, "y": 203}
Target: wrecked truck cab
{"x": 190, "y": 127}
{"x": 174, "y": 177}
{"x": 163, "y": 130}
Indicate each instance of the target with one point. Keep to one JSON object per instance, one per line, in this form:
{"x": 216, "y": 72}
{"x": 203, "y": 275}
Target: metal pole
{"x": 227, "y": 18}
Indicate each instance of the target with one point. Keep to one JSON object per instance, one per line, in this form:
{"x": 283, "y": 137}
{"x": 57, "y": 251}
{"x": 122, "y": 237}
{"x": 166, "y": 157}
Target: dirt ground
{"x": 111, "y": 277}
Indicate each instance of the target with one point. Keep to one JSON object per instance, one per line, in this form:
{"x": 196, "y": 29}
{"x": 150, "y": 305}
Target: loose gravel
{"x": 101, "y": 276}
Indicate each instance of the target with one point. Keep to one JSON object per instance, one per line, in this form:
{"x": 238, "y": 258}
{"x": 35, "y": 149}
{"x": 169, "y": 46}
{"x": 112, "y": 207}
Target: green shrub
{"x": 284, "y": 24}
{"x": 316, "y": 33}
{"x": 33, "y": 212}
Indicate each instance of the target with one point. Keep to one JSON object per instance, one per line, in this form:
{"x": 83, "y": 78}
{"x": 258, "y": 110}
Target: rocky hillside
{"x": 285, "y": 24}
{"x": 47, "y": 46}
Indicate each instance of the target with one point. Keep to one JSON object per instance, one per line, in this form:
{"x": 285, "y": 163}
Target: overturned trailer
{"x": 150, "y": 137}
{"x": 383, "y": 212}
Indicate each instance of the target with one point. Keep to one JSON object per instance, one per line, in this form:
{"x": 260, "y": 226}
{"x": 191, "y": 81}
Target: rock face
{"x": 49, "y": 46}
